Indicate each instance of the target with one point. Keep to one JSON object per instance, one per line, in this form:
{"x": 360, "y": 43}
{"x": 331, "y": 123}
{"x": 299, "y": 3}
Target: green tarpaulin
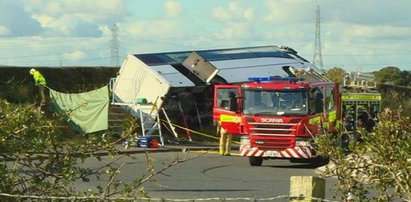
{"x": 86, "y": 112}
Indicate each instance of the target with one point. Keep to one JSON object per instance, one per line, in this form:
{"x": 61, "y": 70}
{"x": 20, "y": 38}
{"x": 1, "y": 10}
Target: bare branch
{"x": 113, "y": 176}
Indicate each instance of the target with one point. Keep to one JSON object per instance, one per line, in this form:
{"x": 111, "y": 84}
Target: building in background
{"x": 360, "y": 80}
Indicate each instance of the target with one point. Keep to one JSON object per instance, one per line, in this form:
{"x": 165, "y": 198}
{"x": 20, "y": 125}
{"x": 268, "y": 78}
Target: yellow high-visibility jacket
{"x": 39, "y": 78}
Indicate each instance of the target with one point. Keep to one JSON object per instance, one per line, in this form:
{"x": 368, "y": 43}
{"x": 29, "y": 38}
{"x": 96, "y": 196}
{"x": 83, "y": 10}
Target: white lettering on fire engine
{"x": 271, "y": 120}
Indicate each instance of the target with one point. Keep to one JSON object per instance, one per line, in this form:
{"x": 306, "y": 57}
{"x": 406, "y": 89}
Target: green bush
{"x": 395, "y": 100}
{"x": 380, "y": 163}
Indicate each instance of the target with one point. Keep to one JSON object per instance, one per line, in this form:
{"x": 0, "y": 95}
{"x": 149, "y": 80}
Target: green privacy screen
{"x": 86, "y": 112}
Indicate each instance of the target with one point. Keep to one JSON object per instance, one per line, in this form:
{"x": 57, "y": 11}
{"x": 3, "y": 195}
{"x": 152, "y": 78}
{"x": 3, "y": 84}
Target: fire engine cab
{"x": 276, "y": 117}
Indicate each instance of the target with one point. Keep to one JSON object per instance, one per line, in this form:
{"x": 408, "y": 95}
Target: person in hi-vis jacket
{"x": 40, "y": 82}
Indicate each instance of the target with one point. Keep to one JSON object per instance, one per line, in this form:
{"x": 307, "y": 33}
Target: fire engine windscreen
{"x": 275, "y": 103}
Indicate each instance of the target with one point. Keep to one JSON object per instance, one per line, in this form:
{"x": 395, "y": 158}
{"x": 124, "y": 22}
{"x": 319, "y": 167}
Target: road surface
{"x": 208, "y": 175}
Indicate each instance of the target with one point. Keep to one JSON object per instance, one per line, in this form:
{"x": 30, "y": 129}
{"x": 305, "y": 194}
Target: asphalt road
{"x": 207, "y": 176}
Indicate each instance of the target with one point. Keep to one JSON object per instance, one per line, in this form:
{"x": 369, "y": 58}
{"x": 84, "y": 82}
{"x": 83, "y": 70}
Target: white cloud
{"x": 64, "y": 24}
{"x": 281, "y": 11}
{"x": 235, "y": 31}
{"x": 75, "y": 55}
{"x": 284, "y": 34}
{"x": 89, "y": 11}
{"x": 249, "y": 14}
{"x": 44, "y": 19}
{"x": 4, "y": 30}
{"x": 371, "y": 12}
{"x": 236, "y": 21}
{"x": 221, "y": 14}
{"x": 377, "y": 32}
{"x": 164, "y": 27}
{"x": 68, "y": 25}
{"x": 172, "y": 8}
{"x": 64, "y": 17}
{"x": 154, "y": 28}
{"x": 234, "y": 12}
{"x": 106, "y": 29}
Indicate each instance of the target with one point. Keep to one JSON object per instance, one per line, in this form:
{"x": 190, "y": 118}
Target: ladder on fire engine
{"x": 150, "y": 120}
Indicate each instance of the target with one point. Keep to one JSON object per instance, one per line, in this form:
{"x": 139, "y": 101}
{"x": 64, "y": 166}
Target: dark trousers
{"x": 42, "y": 95}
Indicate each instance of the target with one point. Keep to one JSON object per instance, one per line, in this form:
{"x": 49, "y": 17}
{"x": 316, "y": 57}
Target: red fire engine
{"x": 276, "y": 117}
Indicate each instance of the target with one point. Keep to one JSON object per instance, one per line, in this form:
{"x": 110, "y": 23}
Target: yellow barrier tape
{"x": 199, "y": 133}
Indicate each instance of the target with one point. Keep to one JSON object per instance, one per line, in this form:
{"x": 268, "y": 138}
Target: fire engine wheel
{"x": 255, "y": 161}
{"x": 319, "y": 161}
{"x": 300, "y": 160}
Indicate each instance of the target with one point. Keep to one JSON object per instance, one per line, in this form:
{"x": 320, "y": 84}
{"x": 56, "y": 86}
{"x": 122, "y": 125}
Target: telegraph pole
{"x": 318, "y": 59}
{"x": 114, "y": 45}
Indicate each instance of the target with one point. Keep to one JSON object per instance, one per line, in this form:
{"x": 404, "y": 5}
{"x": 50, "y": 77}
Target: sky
{"x": 364, "y": 35}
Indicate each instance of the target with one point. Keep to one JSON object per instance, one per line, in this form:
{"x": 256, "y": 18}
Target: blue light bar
{"x": 274, "y": 78}
{"x": 259, "y": 78}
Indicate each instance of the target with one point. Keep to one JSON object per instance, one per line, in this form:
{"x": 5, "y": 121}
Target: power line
{"x": 374, "y": 48}
{"x": 26, "y": 56}
{"x": 175, "y": 44}
{"x": 58, "y": 61}
{"x": 213, "y": 47}
{"x": 369, "y": 64}
{"x": 45, "y": 54}
{"x": 48, "y": 43}
{"x": 362, "y": 55}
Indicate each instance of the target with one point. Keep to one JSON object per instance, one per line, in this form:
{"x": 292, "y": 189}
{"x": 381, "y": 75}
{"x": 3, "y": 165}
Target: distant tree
{"x": 388, "y": 74}
{"x": 405, "y": 79}
{"x": 336, "y": 74}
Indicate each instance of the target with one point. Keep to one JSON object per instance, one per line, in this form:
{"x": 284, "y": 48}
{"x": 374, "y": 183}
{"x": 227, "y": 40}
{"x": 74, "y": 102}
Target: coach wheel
{"x": 256, "y": 161}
